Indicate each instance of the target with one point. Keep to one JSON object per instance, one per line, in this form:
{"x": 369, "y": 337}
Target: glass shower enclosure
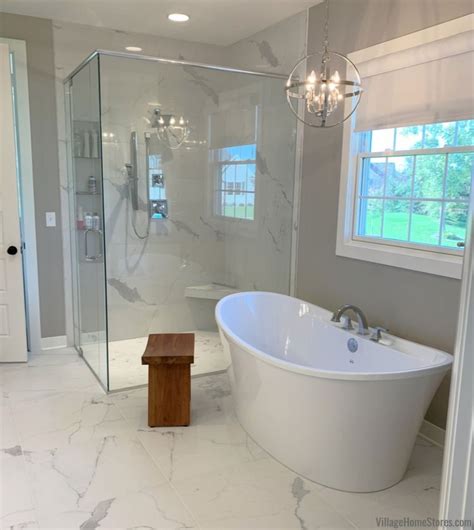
{"x": 181, "y": 192}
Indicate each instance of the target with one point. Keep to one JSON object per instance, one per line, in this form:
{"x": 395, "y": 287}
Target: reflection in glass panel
{"x": 235, "y": 179}
{"x": 425, "y": 222}
{"x": 224, "y": 191}
{"x": 84, "y": 123}
{"x": 396, "y": 219}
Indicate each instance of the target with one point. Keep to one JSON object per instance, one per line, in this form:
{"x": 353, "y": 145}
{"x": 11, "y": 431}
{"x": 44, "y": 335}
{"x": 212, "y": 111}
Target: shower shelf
{"x": 210, "y": 291}
{"x": 87, "y": 193}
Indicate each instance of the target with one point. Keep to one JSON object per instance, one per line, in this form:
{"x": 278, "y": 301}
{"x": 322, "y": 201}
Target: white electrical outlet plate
{"x": 50, "y": 219}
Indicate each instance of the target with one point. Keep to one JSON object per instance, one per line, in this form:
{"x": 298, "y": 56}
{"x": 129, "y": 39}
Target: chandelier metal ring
{"x": 323, "y": 90}
{"x": 293, "y": 84}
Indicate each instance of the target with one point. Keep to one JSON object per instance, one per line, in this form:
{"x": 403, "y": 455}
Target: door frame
{"x": 27, "y": 197}
{"x": 457, "y": 484}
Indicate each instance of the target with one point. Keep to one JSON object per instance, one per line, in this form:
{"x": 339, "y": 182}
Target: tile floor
{"x": 72, "y": 457}
{"x": 127, "y": 371}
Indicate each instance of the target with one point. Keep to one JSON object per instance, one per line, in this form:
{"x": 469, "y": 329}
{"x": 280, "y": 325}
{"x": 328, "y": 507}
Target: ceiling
{"x": 220, "y": 22}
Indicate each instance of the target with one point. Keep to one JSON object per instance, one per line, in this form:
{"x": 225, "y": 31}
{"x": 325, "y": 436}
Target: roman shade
{"x": 418, "y": 83}
{"x": 232, "y": 127}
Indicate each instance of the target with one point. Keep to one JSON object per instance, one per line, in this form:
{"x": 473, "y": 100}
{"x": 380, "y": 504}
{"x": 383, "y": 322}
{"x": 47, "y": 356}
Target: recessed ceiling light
{"x": 178, "y": 17}
{"x": 134, "y": 49}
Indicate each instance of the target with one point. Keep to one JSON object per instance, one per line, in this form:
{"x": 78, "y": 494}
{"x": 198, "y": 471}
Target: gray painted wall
{"x": 413, "y": 305}
{"x": 38, "y": 35}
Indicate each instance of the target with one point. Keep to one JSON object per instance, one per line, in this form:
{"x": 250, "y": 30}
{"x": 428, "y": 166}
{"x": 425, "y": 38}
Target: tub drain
{"x": 352, "y": 345}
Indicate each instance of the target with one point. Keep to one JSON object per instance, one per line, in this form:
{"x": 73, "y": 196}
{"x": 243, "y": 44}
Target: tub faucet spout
{"x": 363, "y": 324}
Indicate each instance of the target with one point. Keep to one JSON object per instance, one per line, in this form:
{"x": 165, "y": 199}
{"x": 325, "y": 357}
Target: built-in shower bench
{"x": 169, "y": 357}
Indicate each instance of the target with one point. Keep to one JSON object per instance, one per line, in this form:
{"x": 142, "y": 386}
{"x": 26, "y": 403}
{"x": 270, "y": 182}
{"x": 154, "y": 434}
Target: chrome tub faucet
{"x": 362, "y": 322}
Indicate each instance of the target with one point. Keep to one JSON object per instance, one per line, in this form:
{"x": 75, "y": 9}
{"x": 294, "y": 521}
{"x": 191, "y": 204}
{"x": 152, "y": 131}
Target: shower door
{"x": 182, "y": 183}
{"x": 198, "y": 201}
{"x": 87, "y": 236}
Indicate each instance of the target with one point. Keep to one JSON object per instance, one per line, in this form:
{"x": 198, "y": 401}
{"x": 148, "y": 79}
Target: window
{"x": 413, "y": 185}
{"x": 235, "y": 170}
{"x": 408, "y": 152}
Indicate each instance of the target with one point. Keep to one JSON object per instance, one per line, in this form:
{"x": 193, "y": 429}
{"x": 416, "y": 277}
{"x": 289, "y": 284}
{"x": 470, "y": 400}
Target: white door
{"x": 12, "y": 302}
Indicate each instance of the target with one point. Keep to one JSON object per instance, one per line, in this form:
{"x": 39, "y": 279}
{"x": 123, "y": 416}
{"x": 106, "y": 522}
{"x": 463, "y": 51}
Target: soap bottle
{"x": 88, "y": 221}
{"x": 95, "y": 221}
{"x": 80, "y": 218}
{"x": 92, "y": 185}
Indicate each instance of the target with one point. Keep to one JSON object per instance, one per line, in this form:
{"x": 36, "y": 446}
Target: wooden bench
{"x": 169, "y": 357}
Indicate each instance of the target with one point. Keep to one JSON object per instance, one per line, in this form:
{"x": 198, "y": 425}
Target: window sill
{"x": 447, "y": 265}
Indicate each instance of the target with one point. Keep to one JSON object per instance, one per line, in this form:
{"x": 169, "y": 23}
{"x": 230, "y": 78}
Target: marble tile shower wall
{"x": 274, "y": 49}
{"x": 72, "y": 44}
{"x": 147, "y": 278}
{"x": 146, "y": 281}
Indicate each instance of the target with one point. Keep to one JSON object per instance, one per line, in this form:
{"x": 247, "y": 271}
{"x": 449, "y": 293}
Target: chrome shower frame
{"x": 151, "y": 58}
{"x": 71, "y": 315}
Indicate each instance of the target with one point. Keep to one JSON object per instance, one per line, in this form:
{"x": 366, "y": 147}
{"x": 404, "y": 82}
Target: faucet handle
{"x": 377, "y": 333}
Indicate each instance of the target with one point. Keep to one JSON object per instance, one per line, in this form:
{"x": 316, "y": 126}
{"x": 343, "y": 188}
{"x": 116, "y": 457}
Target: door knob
{"x": 12, "y": 250}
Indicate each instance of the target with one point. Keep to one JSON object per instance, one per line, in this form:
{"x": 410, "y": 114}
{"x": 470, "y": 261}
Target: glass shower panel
{"x": 87, "y": 218}
{"x": 198, "y": 196}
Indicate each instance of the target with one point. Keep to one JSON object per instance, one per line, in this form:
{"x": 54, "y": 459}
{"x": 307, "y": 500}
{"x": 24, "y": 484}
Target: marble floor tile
{"x": 73, "y": 457}
{"x": 23, "y": 519}
{"x": 8, "y": 431}
{"x": 259, "y": 494}
{"x": 155, "y": 507}
{"x": 190, "y": 452}
{"x": 416, "y": 496}
{"x": 77, "y": 485}
{"x": 48, "y": 372}
{"x": 127, "y": 371}
{"x": 16, "y": 501}
{"x": 50, "y": 420}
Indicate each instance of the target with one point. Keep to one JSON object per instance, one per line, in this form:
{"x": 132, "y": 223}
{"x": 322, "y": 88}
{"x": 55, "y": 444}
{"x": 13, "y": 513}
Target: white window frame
{"x": 218, "y": 189}
{"x": 427, "y": 259}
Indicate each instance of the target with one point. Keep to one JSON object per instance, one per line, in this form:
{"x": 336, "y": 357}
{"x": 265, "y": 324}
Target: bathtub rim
{"x": 443, "y": 366}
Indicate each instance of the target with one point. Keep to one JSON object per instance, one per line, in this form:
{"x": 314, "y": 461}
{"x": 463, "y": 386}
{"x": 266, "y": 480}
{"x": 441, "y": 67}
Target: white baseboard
{"x": 432, "y": 433}
{"x": 53, "y": 343}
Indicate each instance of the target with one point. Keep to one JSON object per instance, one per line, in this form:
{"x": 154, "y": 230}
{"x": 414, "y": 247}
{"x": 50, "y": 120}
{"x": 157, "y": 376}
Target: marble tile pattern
{"x": 126, "y": 370}
{"x": 147, "y": 280}
{"x": 72, "y": 457}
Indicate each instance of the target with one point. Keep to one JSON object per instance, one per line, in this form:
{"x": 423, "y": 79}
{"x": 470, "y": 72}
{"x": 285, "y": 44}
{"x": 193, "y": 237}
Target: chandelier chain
{"x": 326, "y": 29}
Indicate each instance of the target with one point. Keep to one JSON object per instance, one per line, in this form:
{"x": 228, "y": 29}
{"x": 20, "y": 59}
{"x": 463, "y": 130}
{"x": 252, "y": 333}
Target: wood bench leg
{"x": 169, "y": 395}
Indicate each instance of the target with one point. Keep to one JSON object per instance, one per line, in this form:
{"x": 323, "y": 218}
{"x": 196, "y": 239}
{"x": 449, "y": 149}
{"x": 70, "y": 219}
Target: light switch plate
{"x": 50, "y": 219}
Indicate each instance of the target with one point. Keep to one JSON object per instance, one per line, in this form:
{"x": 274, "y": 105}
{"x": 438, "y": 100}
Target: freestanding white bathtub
{"x": 345, "y": 420}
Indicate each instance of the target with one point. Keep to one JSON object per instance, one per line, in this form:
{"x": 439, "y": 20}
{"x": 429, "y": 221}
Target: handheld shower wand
{"x": 132, "y": 171}
{"x": 133, "y": 179}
